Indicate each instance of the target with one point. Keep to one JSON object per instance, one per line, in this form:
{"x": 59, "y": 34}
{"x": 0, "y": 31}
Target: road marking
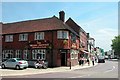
{"x": 80, "y": 76}
{"x": 110, "y": 70}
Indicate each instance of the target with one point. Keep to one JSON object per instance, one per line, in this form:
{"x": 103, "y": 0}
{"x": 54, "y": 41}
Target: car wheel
{"x": 17, "y": 67}
{"x": 3, "y": 66}
{"x": 25, "y": 67}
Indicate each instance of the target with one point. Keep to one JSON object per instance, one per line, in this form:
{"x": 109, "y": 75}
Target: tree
{"x": 116, "y": 45}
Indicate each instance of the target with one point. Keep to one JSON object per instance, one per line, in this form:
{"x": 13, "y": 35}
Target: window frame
{"x": 61, "y": 34}
{"x": 8, "y": 38}
{"x": 37, "y": 52}
{"x": 23, "y": 37}
{"x": 26, "y": 54}
{"x": 5, "y": 54}
{"x": 39, "y": 35}
{"x": 18, "y": 53}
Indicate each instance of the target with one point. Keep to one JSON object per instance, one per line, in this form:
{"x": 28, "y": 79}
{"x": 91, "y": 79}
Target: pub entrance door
{"x": 63, "y": 59}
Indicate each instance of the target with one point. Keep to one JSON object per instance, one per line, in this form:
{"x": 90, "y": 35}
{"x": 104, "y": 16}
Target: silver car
{"x": 16, "y": 63}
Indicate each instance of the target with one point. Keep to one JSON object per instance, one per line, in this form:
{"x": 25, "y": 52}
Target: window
{"x": 23, "y": 37}
{"x": 39, "y": 54}
{"x": 7, "y": 54}
{"x": 18, "y": 53}
{"x": 73, "y": 37}
{"x": 39, "y": 36}
{"x": 34, "y": 54}
{"x": 74, "y": 54}
{"x": 9, "y": 38}
{"x": 25, "y": 54}
{"x": 62, "y": 34}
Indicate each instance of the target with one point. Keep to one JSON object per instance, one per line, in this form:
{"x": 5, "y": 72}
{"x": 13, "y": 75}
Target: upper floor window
{"x": 9, "y": 38}
{"x": 73, "y": 37}
{"x": 23, "y": 37}
{"x": 62, "y": 34}
{"x": 39, "y": 36}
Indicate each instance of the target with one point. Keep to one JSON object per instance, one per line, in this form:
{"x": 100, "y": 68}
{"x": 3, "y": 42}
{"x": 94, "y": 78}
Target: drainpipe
{"x": 52, "y": 51}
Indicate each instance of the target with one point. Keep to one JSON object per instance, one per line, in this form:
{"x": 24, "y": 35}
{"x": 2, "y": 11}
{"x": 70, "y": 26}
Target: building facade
{"x": 50, "y": 39}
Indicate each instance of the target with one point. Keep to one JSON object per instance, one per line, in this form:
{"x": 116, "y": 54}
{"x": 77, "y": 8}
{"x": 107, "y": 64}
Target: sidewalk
{"x": 30, "y": 71}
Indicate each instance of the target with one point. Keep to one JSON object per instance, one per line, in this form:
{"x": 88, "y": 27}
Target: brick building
{"x": 83, "y": 38}
{"x": 51, "y": 39}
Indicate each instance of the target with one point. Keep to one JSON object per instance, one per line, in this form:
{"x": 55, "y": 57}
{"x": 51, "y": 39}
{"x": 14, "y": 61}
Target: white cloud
{"x": 103, "y": 37}
{"x": 103, "y": 29}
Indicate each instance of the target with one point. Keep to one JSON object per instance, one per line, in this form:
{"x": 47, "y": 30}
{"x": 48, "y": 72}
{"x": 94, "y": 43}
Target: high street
{"x": 102, "y": 70}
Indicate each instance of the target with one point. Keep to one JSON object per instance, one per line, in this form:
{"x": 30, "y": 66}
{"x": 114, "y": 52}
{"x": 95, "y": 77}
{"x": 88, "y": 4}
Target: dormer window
{"x": 8, "y": 38}
{"x": 62, "y": 35}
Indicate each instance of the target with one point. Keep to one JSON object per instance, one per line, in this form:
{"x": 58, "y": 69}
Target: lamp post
{"x": 70, "y": 60}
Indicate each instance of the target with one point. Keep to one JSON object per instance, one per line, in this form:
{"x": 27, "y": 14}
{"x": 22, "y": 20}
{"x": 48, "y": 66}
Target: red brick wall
{"x": 83, "y": 37}
{"x": 49, "y": 36}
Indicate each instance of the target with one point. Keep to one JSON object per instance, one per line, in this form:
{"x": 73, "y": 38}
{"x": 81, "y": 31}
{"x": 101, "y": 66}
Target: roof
{"x": 45, "y": 24}
{"x": 72, "y": 23}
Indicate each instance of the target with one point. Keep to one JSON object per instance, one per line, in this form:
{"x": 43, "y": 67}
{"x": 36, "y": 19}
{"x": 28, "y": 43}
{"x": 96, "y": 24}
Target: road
{"x": 102, "y": 70}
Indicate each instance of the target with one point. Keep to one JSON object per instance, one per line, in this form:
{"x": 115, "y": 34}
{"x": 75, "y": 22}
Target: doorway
{"x": 63, "y": 59}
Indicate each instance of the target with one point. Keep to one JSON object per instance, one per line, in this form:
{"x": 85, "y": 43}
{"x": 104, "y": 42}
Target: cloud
{"x": 103, "y": 37}
{"x": 103, "y": 29}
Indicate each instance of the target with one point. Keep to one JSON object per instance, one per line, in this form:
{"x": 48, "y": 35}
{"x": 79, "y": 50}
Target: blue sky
{"x": 100, "y": 19}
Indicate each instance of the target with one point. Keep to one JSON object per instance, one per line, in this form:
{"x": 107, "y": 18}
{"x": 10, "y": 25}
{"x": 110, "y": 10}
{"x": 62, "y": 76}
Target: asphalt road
{"x": 102, "y": 70}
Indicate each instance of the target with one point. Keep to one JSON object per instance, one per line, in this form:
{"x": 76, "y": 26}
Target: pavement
{"x": 31, "y": 71}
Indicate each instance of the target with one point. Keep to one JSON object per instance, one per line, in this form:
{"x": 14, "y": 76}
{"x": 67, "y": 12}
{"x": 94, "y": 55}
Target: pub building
{"x": 51, "y": 39}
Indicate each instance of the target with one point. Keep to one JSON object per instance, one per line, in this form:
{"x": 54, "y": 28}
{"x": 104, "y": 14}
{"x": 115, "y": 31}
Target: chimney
{"x": 62, "y": 15}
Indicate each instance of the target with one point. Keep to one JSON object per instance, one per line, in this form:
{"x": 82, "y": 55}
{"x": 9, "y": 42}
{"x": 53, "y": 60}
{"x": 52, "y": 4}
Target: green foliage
{"x": 116, "y": 45}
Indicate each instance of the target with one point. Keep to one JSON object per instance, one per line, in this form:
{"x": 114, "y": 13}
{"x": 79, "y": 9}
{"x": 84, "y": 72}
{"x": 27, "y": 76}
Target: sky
{"x": 100, "y": 19}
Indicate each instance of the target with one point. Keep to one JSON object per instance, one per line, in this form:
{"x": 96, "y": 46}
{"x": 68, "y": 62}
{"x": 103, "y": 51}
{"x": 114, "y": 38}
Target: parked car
{"x": 16, "y": 63}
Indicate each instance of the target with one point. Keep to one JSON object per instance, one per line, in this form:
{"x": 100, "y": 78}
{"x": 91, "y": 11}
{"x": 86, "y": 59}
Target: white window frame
{"x": 18, "y": 53}
{"x": 25, "y": 54}
{"x": 39, "y": 36}
{"x": 23, "y": 37}
{"x": 42, "y": 52}
{"x": 8, "y": 38}
{"x": 34, "y": 54}
{"x": 62, "y": 35}
{"x": 5, "y": 54}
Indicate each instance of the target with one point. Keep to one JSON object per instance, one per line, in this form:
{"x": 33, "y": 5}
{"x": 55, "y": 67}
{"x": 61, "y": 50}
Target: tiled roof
{"x": 76, "y": 28}
{"x": 45, "y": 24}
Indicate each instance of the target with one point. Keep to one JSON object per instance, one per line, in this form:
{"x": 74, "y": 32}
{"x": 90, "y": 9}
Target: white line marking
{"x": 80, "y": 76}
{"x": 110, "y": 70}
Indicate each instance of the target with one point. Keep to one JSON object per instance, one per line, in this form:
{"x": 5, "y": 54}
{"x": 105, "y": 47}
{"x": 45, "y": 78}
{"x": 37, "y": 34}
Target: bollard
{"x": 70, "y": 64}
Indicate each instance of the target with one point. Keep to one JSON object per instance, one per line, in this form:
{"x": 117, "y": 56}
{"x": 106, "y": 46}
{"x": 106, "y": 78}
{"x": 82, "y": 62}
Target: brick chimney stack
{"x": 62, "y": 15}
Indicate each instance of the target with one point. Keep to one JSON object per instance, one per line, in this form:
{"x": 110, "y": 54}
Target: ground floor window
{"x": 74, "y": 54}
{"x": 39, "y": 54}
{"x": 7, "y": 54}
{"x": 25, "y": 54}
{"x": 18, "y": 53}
